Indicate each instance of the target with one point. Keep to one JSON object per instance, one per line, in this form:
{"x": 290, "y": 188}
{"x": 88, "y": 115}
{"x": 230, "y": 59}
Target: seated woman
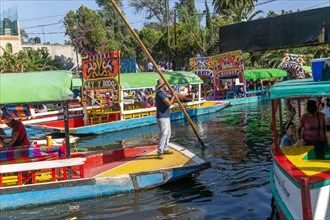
{"x": 289, "y": 137}
{"x": 312, "y": 128}
{"x": 18, "y": 137}
{"x": 151, "y": 102}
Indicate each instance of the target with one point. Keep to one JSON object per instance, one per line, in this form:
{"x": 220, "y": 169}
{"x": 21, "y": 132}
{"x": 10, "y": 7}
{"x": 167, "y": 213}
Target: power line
{"x": 263, "y": 3}
{"x": 37, "y": 18}
{"x": 42, "y": 25}
{"x": 47, "y": 33}
{"x": 316, "y": 6}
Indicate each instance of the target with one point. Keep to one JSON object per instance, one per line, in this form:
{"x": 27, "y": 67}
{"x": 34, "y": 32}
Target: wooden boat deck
{"x": 299, "y": 162}
{"x": 149, "y": 162}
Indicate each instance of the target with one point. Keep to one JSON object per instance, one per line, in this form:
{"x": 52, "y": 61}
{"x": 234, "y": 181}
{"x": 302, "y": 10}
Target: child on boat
{"x": 290, "y": 135}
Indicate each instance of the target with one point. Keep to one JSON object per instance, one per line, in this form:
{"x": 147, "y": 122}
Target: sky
{"x": 43, "y": 18}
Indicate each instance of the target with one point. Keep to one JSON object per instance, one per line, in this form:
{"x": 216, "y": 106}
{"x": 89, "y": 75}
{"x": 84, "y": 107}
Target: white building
{"x": 10, "y": 39}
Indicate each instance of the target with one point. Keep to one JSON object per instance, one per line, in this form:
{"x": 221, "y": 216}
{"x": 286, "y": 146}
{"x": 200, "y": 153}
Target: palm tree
{"x": 239, "y": 12}
{"x": 220, "y": 6}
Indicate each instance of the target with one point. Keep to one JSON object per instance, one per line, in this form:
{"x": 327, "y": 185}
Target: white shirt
{"x": 150, "y": 66}
{"x": 326, "y": 111}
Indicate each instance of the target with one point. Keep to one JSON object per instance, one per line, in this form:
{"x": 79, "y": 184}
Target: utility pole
{"x": 43, "y": 31}
{"x": 174, "y": 62}
{"x": 168, "y": 32}
{"x": 175, "y": 27}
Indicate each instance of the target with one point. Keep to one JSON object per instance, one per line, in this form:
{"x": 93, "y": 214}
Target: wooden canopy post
{"x": 67, "y": 134}
{"x": 158, "y": 70}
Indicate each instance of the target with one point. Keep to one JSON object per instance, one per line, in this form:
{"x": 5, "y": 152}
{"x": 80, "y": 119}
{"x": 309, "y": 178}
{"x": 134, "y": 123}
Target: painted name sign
{"x": 280, "y": 181}
{"x": 219, "y": 66}
{"x": 293, "y": 64}
{"x": 98, "y": 84}
{"x": 101, "y": 65}
{"x": 205, "y": 72}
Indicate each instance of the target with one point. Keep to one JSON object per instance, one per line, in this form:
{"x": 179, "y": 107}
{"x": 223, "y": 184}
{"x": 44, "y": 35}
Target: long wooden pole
{"x": 158, "y": 70}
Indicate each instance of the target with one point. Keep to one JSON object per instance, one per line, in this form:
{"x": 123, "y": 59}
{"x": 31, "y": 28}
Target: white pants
{"x": 164, "y": 125}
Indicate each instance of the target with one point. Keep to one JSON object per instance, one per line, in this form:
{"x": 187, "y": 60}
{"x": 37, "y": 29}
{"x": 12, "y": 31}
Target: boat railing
{"x": 55, "y": 115}
{"x": 256, "y": 92}
{"x": 143, "y": 112}
{"x": 41, "y": 171}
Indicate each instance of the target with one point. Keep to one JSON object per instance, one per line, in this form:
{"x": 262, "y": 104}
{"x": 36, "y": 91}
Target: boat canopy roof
{"x": 35, "y": 87}
{"x": 77, "y": 83}
{"x": 264, "y": 74}
{"x": 300, "y": 88}
{"x": 307, "y": 69}
{"x": 142, "y": 80}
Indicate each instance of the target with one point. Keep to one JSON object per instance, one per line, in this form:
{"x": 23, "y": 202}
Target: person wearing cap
{"x": 18, "y": 136}
{"x": 163, "y": 103}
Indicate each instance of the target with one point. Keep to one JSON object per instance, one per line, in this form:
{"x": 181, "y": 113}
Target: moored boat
{"x": 299, "y": 182}
{"x": 96, "y": 174}
{"x": 35, "y": 175}
{"x": 218, "y": 70}
{"x": 104, "y": 119}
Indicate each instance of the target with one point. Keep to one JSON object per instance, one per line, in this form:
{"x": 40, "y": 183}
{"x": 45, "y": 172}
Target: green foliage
{"x": 154, "y": 43}
{"x": 153, "y": 9}
{"x": 238, "y": 12}
{"x": 117, "y": 33}
{"x": 273, "y": 58}
{"x": 24, "y": 36}
{"x": 193, "y": 28}
{"x": 186, "y": 46}
{"x": 86, "y": 31}
{"x": 25, "y": 61}
{"x": 223, "y": 6}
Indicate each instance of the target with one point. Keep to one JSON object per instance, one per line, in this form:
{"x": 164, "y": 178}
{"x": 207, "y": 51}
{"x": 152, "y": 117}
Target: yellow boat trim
{"x": 208, "y": 103}
{"x": 150, "y": 162}
{"x": 297, "y": 155}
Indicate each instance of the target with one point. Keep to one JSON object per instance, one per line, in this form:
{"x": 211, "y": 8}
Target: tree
{"x": 209, "y": 26}
{"x": 154, "y": 9}
{"x": 25, "y": 61}
{"x": 152, "y": 41}
{"x": 86, "y": 31}
{"x": 222, "y": 6}
{"x": 186, "y": 46}
{"x": 24, "y": 36}
{"x": 239, "y": 12}
{"x": 118, "y": 35}
{"x": 192, "y": 27}
{"x": 189, "y": 5}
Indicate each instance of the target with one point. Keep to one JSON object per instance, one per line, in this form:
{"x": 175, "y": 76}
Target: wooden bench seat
{"x": 12, "y": 174}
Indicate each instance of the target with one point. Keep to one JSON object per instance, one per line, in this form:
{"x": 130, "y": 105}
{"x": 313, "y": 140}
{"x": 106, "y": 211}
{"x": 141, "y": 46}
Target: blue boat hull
{"x": 245, "y": 100}
{"x": 139, "y": 122}
{"x": 31, "y": 195}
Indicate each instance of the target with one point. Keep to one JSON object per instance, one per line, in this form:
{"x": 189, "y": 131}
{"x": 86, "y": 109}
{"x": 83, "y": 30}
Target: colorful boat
{"x": 35, "y": 175}
{"x": 300, "y": 183}
{"x": 257, "y": 95}
{"x": 229, "y": 66}
{"x": 95, "y": 174}
{"x": 131, "y": 114}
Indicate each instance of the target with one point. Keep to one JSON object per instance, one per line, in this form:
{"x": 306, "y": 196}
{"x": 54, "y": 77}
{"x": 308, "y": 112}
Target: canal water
{"x": 235, "y": 187}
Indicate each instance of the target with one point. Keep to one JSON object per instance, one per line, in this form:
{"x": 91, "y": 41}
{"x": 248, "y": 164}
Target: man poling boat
{"x": 158, "y": 70}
